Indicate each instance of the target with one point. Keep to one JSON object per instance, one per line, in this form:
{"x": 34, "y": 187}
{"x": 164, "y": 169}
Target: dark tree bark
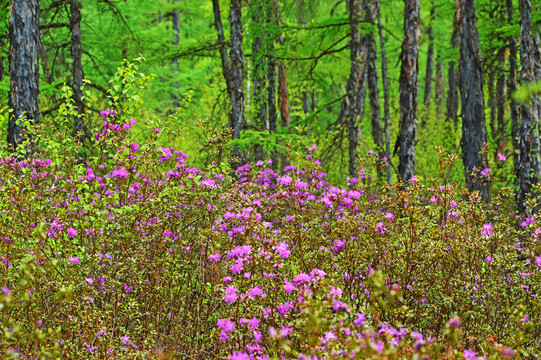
{"x": 271, "y": 73}
{"x": 501, "y": 137}
{"x": 372, "y": 69}
{"x": 259, "y": 75}
{"x": 536, "y": 108}
{"x": 385, "y": 80}
{"x": 524, "y": 165}
{"x": 223, "y": 46}
{"x": 24, "y": 68}
{"x": 439, "y": 86}
{"x": 175, "y": 19}
{"x": 512, "y": 86}
{"x": 236, "y": 118}
{"x": 452, "y": 79}
{"x": 474, "y": 133}
{"x": 79, "y": 128}
{"x": 352, "y": 107}
{"x": 408, "y": 91}
{"x": 429, "y": 64}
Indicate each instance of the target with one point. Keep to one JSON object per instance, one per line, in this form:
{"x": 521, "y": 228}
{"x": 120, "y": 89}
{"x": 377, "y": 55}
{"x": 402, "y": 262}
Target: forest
{"x": 270, "y": 179}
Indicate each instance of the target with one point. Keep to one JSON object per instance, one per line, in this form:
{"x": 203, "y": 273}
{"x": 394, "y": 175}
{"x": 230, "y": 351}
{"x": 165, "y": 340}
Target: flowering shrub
{"x": 136, "y": 254}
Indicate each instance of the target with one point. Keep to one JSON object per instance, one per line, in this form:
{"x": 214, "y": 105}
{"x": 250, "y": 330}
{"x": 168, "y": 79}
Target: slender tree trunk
{"x": 501, "y": 138}
{"x": 385, "y": 80}
{"x": 452, "y": 77}
{"x": 536, "y": 108}
{"x": 236, "y": 118}
{"x": 352, "y": 107}
{"x": 474, "y": 133}
{"x": 259, "y": 75}
{"x": 371, "y": 62}
{"x": 512, "y": 86}
{"x": 175, "y": 19}
{"x": 408, "y": 90}
{"x": 439, "y": 86}
{"x": 223, "y": 46}
{"x": 492, "y": 102}
{"x": 79, "y": 128}
{"x": 23, "y": 69}
{"x": 429, "y": 64}
{"x": 525, "y": 138}
{"x": 271, "y": 77}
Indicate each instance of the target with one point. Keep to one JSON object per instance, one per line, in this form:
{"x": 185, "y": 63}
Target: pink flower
{"x": 230, "y": 295}
{"x": 226, "y": 325}
{"x": 255, "y": 291}
{"x": 89, "y": 281}
{"x": 501, "y": 157}
{"x": 72, "y": 232}
{"x": 215, "y": 257}
{"x": 282, "y": 250}
{"x": 74, "y": 259}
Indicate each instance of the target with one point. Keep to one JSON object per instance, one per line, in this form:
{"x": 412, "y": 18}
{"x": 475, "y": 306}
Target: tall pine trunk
{"x": 372, "y": 57}
{"x": 474, "y": 133}
{"x": 226, "y": 71}
{"x": 23, "y": 69}
{"x": 429, "y": 64}
{"x": 512, "y": 85}
{"x": 79, "y": 129}
{"x": 236, "y": 117}
{"x": 175, "y": 19}
{"x": 452, "y": 80}
{"x": 408, "y": 90}
{"x": 522, "y": 169}
{"x": 385, "y": 80}
{"x": 259, "y": 75}
{"x": 352, "y": 108}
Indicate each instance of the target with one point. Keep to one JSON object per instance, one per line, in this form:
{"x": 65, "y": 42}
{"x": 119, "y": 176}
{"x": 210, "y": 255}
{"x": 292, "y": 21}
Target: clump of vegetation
{"x": 133, "y": 253}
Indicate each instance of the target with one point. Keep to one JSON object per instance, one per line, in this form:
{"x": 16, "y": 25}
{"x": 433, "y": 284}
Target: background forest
{"x": 298, "y": 53}
{"x": 275, "y": 179}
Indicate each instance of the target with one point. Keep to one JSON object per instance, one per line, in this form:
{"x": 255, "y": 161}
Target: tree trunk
{"x": 79, "y": 128}
{"x": 512, "y": 86}
{"x": 408, "y": 91}
{"x": 452, "y": 95}
{"x": 439, "y": 86}
{"x": 223, "y": 46}
{"x": 236, "y": 118}
{"x": 372, "y": 69}
{"x": 536, "y": 108}
{"x": 429, "y": 64}
{"x": 385, "y": 80}
{"x": 259, "y": 75}
{"x": 352, "y": 107}
{"x": 175, "y": 19}
{"x": 474, "y": 133}
{"x": 525, "y": 137}
{"x": 24, "y": 69}
{"x": 501, "y": 138}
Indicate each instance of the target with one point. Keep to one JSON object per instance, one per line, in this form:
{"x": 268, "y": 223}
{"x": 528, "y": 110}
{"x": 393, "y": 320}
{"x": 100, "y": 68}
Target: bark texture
{"x": 408, "y": 91}
{"x": 429, "y": 63}
{"x": 452, "y": 80}
{"x": 223, "y": 46}
{"x": 522, "y": 168}
{"x": 474, "y": 133}
{"x": 175, "y": 19}
{"x": 79, "y": 128}
{"x": 385, "y": 80}
{"x": 512, "y": 85}
{"x": 259, "y": 75}
{"x": 372, "y": 68}
{"x": 23, "y": 68}
{"x": 352, "y": 107}
{"x": 236, "y": 117}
